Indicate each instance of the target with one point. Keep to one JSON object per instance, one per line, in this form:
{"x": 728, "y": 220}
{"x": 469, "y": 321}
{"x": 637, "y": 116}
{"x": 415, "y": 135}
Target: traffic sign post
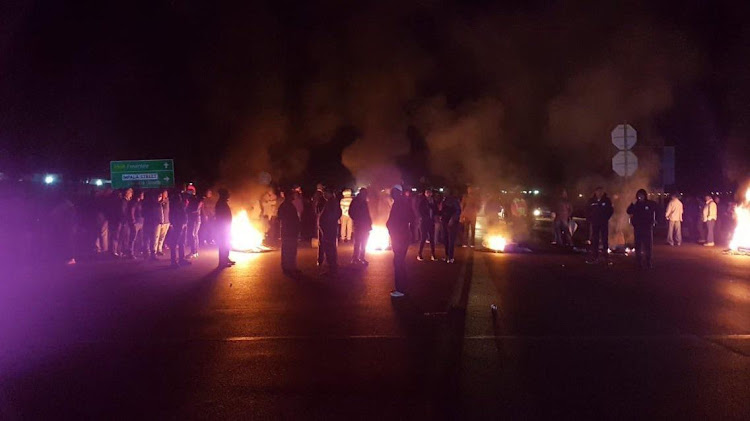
{"x": 150, "y": 173}
{"x": 624, "y": 137}
{"x": 625, "y": 163}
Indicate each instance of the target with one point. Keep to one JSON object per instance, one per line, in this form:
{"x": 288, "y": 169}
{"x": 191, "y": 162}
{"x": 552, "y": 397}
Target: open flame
{"x": 245, "y": 237}
{"x": 496, "y": 242}
{"x": 379, "y": 239}
{"x": 741, "y": 235}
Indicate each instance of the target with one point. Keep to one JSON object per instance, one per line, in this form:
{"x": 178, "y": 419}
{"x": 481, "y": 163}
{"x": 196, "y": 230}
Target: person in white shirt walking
{"x": 674, "y": 216}
{"x": 710, "y": 213}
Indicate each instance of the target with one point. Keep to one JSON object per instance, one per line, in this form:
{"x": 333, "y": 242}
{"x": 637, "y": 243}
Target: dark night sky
{"x": 532, "y": 88}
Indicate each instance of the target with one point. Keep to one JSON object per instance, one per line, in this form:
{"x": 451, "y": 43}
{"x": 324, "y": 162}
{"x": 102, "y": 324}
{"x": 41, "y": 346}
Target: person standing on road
{"x": 135, "y": 219}
{"x": 563, "y": 212}
{"x": 318, "y": 204}
{"x": 179, "y": 219}
{"x": 359, "y": 211}
{"x": 643, "y": 218}
{"x": 195, "y": 217}
{"x": 122, "y": 245}
{"x": 164, "y": 224}
{"x": 469, "y": 209}
{"x": 674, "y": 217}
{"x": 223, "y": 227}
{"x": 328, "y": 223}
{"x": 346, "y": 220}
{"x": 207, "y": 224}
{"x": 599, "y": 211}
{"x": 450, "y": 214}
{"x": 289, "y": 225}
{"x": 426, "y": 212}
{"x": 710, "y": 215}
{"x": 151, "y": 221}
{"x": 400, "y": 217}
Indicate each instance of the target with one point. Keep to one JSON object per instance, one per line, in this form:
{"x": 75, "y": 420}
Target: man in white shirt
{"x": 346, "y": 221}
{"x": 674, "y": 216}
{"x": 710, "y": 213}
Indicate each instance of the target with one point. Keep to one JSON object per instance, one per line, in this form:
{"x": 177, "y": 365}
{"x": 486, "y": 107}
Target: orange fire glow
{"x": 741, "y": 235}
{"x": 245, "y": 237}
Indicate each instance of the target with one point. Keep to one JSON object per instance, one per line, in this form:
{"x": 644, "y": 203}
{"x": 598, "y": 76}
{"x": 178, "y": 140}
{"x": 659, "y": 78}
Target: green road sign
{"x": 150, "y": 173}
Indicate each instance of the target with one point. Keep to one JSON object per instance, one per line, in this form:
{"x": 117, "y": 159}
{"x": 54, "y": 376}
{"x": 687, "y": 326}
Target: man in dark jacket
{"x": 450, "y": 214}
{"x": 289, "y": 224}
{"x": 643, "y": 218}
{"x": 359, "y": 211}
{"x": 398, "y": 227}
{"x": 426, "y": 212}
{"x": 223, "y": 227}
{"x": 598, "y": 213}
{"x": 329, "y": 226}
{"x": 178, "y": 236}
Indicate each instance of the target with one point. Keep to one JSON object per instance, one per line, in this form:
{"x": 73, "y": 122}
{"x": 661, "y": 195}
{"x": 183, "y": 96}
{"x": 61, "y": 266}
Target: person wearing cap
{"x": 223, "y": 225}
{"x": 643, "y": 218}
{"x": 399, "y": 220}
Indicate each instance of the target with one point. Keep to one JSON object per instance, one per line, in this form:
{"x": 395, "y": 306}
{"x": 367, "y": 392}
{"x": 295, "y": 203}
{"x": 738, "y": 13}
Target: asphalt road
{"x": 135, "y": 340}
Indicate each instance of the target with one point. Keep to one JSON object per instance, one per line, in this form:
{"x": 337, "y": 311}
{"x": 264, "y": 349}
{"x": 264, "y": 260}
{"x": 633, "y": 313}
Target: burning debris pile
{"x": 245, "y": 237}
{"x": 740, "y": 243}
{"x": 379, "y": 239}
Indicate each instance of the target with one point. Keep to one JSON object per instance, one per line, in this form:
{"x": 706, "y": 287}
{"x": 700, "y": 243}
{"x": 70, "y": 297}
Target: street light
{"x": 49, "y": 179}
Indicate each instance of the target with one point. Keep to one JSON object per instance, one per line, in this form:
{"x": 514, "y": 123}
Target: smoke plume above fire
{"x": 507, "y": 95}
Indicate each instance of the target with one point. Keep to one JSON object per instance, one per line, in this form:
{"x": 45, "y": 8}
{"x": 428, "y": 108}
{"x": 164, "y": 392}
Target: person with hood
{"x": 346, "y": 220}
{"x": 359, "y": 211}
{"x": 426, "y": 213}
{"x": 450, "y": 214}
{"x": 289, "y": 226}
{"x": 710, "y": 215}
{"x": 643, "y": 218}
{"x": 599, "y": 211}
{"x": 223, "y": 227}
{"x": 178, "y": 217}
{"x": 674, "y": 216}
{"x": 329, "y": 224}
{"x": 399, "y": 219}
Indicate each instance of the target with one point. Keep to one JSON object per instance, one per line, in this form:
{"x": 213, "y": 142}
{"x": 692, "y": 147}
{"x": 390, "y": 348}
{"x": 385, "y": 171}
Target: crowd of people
{"x": 145, "y": 224}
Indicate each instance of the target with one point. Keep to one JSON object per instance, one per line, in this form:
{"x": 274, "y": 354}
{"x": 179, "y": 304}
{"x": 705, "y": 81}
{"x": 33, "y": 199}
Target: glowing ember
{"x": 245, "y": 237}
{"x": 379, "y": 239}
{"x": 741, "y": 236}
{"x": 496, "y": 243}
